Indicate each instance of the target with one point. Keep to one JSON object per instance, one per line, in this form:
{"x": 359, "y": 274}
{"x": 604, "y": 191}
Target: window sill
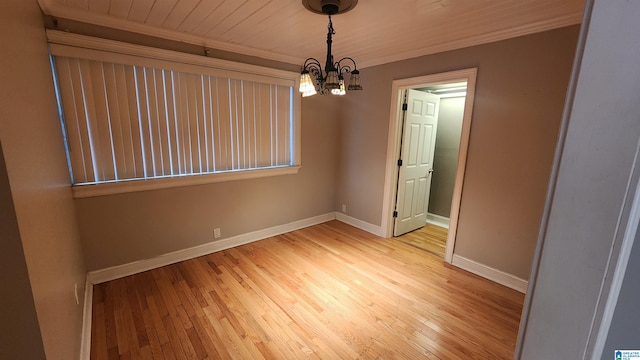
{"x": 127, "y": 186}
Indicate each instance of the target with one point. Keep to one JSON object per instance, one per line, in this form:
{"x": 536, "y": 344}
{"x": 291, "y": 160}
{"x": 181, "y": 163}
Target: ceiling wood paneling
{"x": 375, "y": 32}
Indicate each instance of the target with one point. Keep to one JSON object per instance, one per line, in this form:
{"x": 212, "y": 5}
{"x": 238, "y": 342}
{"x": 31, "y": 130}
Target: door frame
{"x": 393, "y": 147}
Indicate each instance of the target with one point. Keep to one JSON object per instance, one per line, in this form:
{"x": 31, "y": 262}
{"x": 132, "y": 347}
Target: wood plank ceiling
{"x": 375, "y": 32}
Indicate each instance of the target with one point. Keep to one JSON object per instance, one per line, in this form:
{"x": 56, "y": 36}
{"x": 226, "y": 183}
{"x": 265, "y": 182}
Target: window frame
{"x": 86, "y": 47}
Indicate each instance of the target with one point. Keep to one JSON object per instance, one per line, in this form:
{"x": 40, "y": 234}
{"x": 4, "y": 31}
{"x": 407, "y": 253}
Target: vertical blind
{"x": 127, "y": 121}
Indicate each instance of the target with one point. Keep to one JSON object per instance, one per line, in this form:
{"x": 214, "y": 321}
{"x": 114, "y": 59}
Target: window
{"x": 133, "y": 113}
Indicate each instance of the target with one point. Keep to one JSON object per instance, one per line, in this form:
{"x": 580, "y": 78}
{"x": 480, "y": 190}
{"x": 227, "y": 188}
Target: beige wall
{"x": 19, "y": 332}
{"x": 119, "y": 229}
{"x": 39, "y": 180}
{"x": 519, "y": 97}
{"x": 445, "y": 162}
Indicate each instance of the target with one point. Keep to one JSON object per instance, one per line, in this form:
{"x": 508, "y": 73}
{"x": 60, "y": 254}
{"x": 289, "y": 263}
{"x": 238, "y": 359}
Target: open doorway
{"x": 459, "y": 87}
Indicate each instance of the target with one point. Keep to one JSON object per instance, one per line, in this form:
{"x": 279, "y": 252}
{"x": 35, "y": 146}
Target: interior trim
{"x": 363, "y": 225}
{"x": 50, "y": 7}
{"x": 101, "y": 189}
{"x": 120, "y": 271}
{"x": 505, "y": 34}
{"x": 501, "y": 277}
{"x": 393, "y": 147}
{"x": 438, "y": 220}
{"x": 87, "y": 316}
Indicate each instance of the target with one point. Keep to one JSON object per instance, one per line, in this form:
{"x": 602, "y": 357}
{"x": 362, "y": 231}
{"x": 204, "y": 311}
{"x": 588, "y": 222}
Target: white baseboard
{"x": 490, "y": 273}
{"x": 438, "y": 220}
{"x": 116, "y": 272}
{"x": 85, "y": 341}
{"x": 363, "y": 225}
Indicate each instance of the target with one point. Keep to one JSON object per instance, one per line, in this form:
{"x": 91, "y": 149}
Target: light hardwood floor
{"x": 430, "y": 238}
{"x": 329, "y": 291}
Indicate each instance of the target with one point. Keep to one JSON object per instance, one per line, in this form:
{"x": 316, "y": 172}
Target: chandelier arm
{"x": 313, "y": 66}
{"x": 316, "y": 72}
{"x": 338, "y": 63}
{"x": 342, "y": 68}
{"x": 311, "y": 62}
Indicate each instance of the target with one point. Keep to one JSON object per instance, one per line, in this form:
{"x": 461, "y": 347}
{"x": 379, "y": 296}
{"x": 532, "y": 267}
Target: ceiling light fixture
{"x": 312, "y": 79}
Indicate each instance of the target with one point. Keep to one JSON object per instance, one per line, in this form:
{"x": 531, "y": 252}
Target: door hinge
{"x": 405, "y": 107}
{"x": 395, "y": 214}
{"x": 400, "y": 162}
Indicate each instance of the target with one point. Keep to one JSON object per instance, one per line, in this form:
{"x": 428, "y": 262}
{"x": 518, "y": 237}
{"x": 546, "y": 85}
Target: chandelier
{"x": 312, "y": 78}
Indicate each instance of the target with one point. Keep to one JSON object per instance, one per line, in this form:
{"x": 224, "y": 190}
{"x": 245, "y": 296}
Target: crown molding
{"x": 55, "y": 9}
{"x": 527, "y": 29}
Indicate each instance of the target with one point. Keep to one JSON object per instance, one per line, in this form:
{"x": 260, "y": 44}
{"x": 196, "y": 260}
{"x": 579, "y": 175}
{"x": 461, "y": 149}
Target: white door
{"x": 418, "y": 144}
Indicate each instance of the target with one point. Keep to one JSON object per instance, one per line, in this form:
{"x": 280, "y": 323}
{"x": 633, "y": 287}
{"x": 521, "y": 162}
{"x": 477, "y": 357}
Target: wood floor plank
{"x": 329, "y": 291}
{"x": 175, "y": 342}
{"x": 430, "y": 238}
{"x": 167, "y": 351}
{"x": 155, "y": 346}
{"x": 156, "y": 316}
{"x": 210, "y": 341}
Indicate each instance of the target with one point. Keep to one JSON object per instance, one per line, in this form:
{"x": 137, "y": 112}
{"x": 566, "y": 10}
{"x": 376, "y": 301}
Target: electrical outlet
{"x": 344, "y": 208}
{"x": 75, "y": 292}
{"x": 216, "y": 233}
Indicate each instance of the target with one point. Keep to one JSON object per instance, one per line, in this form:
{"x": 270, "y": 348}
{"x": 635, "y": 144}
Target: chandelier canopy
{"x": 312, "y": 78}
